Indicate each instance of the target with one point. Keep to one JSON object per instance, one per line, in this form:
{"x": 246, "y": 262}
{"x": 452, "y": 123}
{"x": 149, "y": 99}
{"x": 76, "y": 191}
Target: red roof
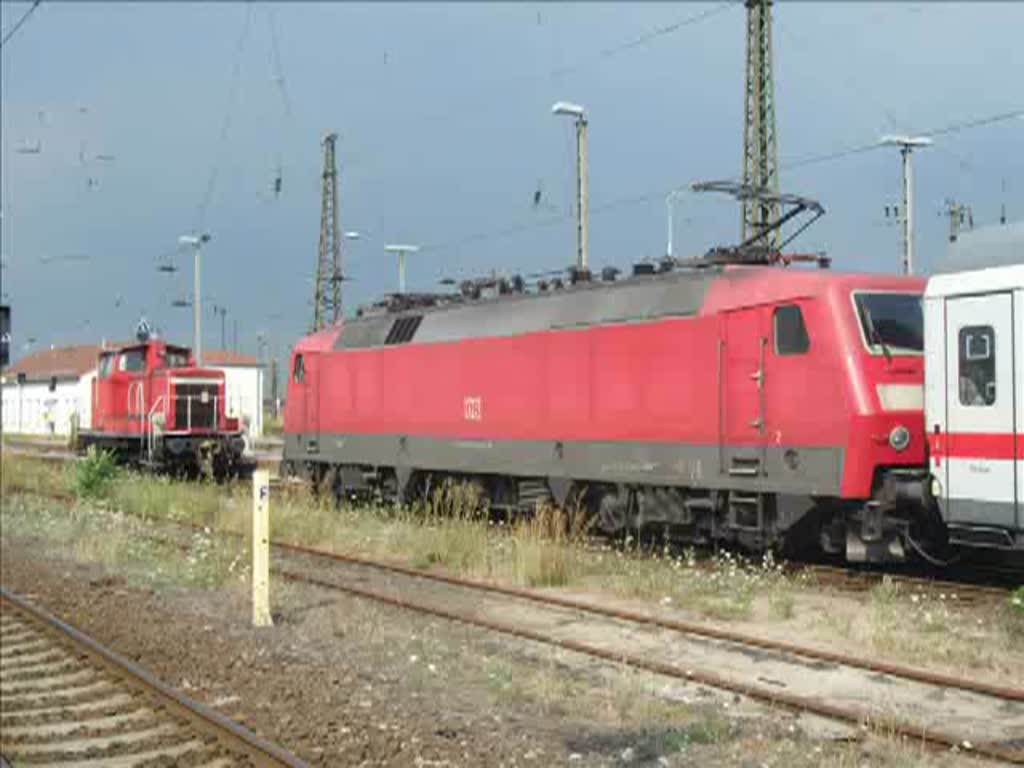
{"x": 62, "y": 362}
{"x": 75, "y": 361}
{"x": 225, "y": 357}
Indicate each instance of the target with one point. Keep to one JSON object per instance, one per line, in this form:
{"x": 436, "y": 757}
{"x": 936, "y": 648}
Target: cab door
{"x": 304, "y": 397}
{"x": 742, "y": 391}
{"x": 980, "y": 450}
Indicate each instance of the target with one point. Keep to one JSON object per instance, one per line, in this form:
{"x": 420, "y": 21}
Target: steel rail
{"x": 794, "y": 702}
{"x": 914, "y": 674}
{"x": 772, "y": 697}
{"x": 202, "y": 718}
{"x": 684, "y": 627}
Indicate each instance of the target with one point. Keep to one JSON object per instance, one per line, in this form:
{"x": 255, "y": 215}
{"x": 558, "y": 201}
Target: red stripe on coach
{"x": 971, "y": 446}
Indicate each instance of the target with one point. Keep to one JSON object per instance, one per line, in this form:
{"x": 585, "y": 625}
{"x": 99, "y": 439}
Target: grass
{"x": 123, "y": 544}
{"x": 451, "y": 529}
{"x": 34, "y": 475}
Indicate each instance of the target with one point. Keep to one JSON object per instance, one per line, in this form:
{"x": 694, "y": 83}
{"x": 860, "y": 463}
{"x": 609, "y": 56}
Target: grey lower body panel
{"x": 813, "y": 471}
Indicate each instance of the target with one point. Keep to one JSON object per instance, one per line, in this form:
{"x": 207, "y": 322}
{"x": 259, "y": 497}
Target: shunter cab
{"x": 974, "y": 404}
{"x": 150, "y": 402}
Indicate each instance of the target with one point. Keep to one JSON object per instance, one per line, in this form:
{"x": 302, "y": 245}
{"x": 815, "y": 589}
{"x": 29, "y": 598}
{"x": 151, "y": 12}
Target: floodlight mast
{"x": 402, "y": 250}
{"x": 582, "y": 214}
{"x": 907, "y": 145}
{"x": 196, "y": 242}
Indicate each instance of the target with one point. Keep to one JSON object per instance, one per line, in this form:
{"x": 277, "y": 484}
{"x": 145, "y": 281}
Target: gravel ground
{"x": 346, "y": 682}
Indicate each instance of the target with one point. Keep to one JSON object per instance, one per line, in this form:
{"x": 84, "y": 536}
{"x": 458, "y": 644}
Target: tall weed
{"x": 95, "y": 474}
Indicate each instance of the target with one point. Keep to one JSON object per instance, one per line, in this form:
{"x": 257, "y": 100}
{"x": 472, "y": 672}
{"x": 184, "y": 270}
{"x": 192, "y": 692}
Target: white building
{"x": 43, "y": 390}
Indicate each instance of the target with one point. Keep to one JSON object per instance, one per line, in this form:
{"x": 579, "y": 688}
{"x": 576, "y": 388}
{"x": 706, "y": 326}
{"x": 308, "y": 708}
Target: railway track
{"x": 849, "y": 579}
{"x": 67, "y": 700}
{"x": 933, "y": 710}
{"x": 764, "y": 670}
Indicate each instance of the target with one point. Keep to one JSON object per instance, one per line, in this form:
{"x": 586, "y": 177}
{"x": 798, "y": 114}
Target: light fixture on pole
{"x": 576, "y": 111}
{"x": 907, "y": 145}
{"x": 401, "y": 250}
{"x": 196, "y": 241}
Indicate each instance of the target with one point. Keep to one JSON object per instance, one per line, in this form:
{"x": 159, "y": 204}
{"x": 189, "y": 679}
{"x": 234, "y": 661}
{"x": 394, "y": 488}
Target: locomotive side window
{"x": 977, "y": 365}
{"x": 299, "y": 374}
{"x": 790, "y": 332}
{"x": 106, "y": 366}
{"x": 133, "y": 360}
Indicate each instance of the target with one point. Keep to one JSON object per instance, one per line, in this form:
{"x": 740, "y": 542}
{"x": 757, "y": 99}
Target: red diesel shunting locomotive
{"x": 739, "y": 403}
{"x": 151, "y": 405}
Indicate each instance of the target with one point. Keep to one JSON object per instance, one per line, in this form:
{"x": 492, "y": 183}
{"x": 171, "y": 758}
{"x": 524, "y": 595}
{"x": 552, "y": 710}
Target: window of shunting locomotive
{"x": 892, "y": 323}
{"x": 977, "y": 371}
{"x": 299, "y": 374}
{"x": 106, "y": 366}
{"x": 133, "y": 360}
{"x": 176, "y": 358}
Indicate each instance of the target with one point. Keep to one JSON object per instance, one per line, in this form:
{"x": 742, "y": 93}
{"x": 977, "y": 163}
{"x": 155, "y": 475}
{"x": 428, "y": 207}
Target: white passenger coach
{"x": 974, "y": 403}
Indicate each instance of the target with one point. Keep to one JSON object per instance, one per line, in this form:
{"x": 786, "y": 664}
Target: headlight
{"x": 899, "y": 438}
{"x": 936, "y": 488}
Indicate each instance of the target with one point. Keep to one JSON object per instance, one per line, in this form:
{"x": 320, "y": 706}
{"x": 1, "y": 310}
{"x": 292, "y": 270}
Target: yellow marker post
{"x": 261, "y": 549}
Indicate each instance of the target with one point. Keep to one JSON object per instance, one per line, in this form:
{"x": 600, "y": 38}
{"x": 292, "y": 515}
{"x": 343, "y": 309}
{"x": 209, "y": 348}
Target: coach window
{"x": 790, "y": 332}
{"x": 977, "y": 365}
{"x": 133, "y": 361}
{"x": 299, "y": 374}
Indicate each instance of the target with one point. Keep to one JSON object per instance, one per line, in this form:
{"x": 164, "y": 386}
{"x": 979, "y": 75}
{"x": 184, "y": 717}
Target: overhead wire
{"x": 643, "y": 197}
{"x": 211, "y": 183}
{"x": 647, "y": 37}
{"x": 952, "y": 128}
{"x": 19, "y": 22}
{"x": 282, "y": 87}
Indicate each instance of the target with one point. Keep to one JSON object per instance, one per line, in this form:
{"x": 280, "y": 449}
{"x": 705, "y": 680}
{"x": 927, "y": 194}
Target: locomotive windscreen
{"x": 891, "y": 321}
{"x": 195, "y": 405}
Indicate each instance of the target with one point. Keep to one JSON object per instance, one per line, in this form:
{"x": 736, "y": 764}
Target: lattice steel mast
{"x": 760, "y": 152}
{"x": 327, "y": 292}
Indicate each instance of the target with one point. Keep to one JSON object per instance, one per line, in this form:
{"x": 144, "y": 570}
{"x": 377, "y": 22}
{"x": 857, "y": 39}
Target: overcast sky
{"x": 446, "y": 133}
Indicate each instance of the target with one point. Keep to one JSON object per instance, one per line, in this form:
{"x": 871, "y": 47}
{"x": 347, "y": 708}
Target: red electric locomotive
{"x": 752, "y": 404}
{"x": 151, "y": 405}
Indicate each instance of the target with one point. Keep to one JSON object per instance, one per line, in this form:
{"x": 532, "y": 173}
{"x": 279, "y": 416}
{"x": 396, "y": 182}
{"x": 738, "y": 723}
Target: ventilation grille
{"x": 403, "y": 329}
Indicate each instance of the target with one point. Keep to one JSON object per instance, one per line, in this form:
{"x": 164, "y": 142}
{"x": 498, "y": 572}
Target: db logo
{"x": 473, "y": 408}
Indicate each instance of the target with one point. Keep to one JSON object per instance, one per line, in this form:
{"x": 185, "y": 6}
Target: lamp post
{"x": 402, "y": 251}
{"x": 197, "y": 245}
{"x": 221, "y": 310}
{"x": 907, "y": 144}
{"x": 576, "y": 111}
{"x": 670, "y": 200}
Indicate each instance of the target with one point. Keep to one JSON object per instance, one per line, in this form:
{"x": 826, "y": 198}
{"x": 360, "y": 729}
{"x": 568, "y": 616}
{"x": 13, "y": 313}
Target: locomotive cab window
{"x": 176, "y": 358}
{"x": 133, "y": 360}
{"x": 106, "y": 366}
{"x": 790, "y": 332}
{"x": 299, "y": 372}
{"x": 977, "y": 371}
{"x": 892, "y": 323}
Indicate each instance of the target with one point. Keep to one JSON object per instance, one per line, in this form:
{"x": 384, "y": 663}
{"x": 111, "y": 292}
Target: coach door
{"x": 744, "y": 347}
{"x": 980, "y": 451}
